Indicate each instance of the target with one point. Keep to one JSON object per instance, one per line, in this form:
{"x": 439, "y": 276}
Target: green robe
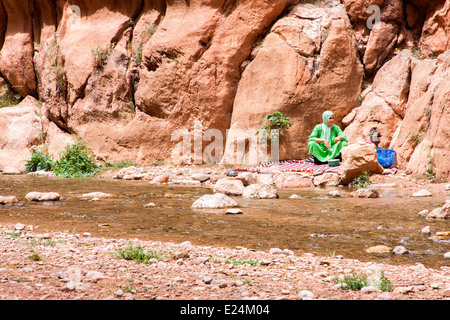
{"x": 319, "y": 150}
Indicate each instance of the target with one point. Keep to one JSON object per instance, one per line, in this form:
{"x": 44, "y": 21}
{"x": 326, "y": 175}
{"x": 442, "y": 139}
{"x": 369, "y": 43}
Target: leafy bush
{"x": 275, "y": 120}
{"x": 76, "y": 161}
{"x": 39, "y": 162}
{"x": 137, "y": 254}
{"x": 353, "y": 281}
{"x": 362, "y": 181}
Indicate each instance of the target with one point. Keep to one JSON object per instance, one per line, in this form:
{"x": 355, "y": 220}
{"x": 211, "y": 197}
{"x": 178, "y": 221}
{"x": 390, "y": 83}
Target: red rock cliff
{"x": 124, "y": 75}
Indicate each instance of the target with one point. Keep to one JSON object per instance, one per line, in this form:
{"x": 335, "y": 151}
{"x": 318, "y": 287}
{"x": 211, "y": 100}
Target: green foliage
{"x": 76, "y": 161}
{"x": 39, "y": 162}
{"x": 137, "y": 254}
{"x": 138, "y": 54}
{"x": 149, "y": 31}
{"x": 275, "y": 120}
{"x": 362, "y": 181}
{"x": 250, "y": 262}
{"x": 353, "y": 281}
{"x": 10, "y": 99}
{"x": 101, "y": 54}
{"x": 385, "y": 284}
{"x": 118, "y": 164}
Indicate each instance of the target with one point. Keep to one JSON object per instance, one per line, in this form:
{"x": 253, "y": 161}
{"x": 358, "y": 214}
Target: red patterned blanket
{"x": 291, "y": 166}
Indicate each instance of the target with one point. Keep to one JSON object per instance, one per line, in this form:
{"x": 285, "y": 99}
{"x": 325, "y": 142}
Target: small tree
{"x": 275, "y": 120}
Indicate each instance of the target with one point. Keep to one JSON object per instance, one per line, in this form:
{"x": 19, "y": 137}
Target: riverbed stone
{"x": 326, "y": 180}
{"x": 229, "y": 186}
{"x": 213, "y": 201}
{"x": 42, "y": 196}
{"x": 8, "y": 200}
{"x": 292, "y": 180}
{"x": 260, "y": 191}
{"x": 365, "y": 193}
{"x": 422, "y": 193}
{"x": 378, "y": 249}
{"x": 96, "y": 195}
{"x": 440, "y": 213}
{"x": 399, "y": 250}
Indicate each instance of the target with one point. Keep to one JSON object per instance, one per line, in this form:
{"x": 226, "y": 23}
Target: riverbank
{"x": 71, "y": 266}
{"x": 66, "y": 266}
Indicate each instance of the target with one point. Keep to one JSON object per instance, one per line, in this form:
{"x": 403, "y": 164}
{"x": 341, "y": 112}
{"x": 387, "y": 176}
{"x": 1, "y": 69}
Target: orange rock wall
{"x": 124, "y": 75}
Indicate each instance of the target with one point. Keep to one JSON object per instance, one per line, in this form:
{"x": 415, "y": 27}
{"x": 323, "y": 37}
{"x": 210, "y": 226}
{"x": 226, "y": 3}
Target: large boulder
{"x": 20, "y": 129}
{"x": 227, "y": 186}
{"x": 307, "y": 63}
{"x": 358, "y": 158}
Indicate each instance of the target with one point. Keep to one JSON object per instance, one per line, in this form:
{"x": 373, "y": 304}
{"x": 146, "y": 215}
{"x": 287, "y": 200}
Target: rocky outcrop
{"x": 307, "y": 63}
{"x": 125, "y": 75}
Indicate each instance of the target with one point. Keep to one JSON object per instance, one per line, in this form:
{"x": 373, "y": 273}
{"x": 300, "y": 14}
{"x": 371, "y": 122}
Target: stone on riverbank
{"x": 422, "y": 193}
{"x": 378, "y": 249}
{"x": 440, "y": 213}
{"x": 214, "y": 201}
{"x": 8, "y": 200}
{"x": 292, "y": 180}
{"x": 42, "y": 196}
{"x": 365, "y": 193}
{"x": 260, "y": 191}
{"x": 229, "y": 187}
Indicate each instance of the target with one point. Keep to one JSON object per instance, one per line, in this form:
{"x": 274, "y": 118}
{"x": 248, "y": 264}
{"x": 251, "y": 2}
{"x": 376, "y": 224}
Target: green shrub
{"x": 76, "y": 161}
{"x": 39, "y": 162}
{"x": 385, "y": 284}
{"x": 362, "y": 181}
{"x": 275, "y": 120}
{"x": 137, "y": 254}
{"x": 353, "y": 281}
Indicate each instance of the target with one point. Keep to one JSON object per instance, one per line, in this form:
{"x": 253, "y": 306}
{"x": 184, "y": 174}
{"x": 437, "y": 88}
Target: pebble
{"x": 399, "y": 250}
{"x": 305, "y": 295}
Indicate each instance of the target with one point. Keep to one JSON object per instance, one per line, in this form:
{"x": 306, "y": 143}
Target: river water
{"x": 314, "y": 223}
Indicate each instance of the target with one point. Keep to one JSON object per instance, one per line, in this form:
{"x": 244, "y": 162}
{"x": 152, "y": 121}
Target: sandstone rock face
{"x": 306, "y": 64}
{"x": 422, "y": 140}
{"x": 125, "y": 75}
{"x": 20, "y": 129}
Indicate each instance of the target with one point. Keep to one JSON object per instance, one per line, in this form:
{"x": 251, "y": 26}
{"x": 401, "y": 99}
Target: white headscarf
{"x": 325, "y": 128}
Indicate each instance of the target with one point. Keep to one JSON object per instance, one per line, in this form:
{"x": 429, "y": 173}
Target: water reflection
{"x": 313, "y": 223}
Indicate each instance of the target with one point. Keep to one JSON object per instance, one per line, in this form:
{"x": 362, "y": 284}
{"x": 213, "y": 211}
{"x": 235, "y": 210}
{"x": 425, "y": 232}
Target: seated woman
{"x": 326, "y": 140}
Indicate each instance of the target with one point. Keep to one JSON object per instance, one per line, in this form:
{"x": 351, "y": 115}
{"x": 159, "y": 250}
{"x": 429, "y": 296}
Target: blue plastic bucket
{"x": 385, "y": 157}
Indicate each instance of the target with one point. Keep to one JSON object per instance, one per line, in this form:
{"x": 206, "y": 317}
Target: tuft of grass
{"x": 362, "y": 181}
{"x": 101, "y": 54}
{"x": 10, "y": 99}
{"x": 385, "y": 284}
{"x": 353, "y": 281}
{"x": 250, "y": 262}
{"x": 137, "y": 254}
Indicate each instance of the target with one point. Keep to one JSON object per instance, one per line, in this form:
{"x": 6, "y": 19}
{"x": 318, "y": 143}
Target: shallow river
{"x": 315, "y": 223}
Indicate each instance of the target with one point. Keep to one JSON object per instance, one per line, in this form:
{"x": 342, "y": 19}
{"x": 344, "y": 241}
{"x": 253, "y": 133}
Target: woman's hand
{"x": 325, "y": 142}
{"x": 337, "y": 139}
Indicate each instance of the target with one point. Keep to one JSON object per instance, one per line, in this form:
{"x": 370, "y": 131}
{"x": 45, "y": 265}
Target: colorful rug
{"x": 300, "y": 166}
